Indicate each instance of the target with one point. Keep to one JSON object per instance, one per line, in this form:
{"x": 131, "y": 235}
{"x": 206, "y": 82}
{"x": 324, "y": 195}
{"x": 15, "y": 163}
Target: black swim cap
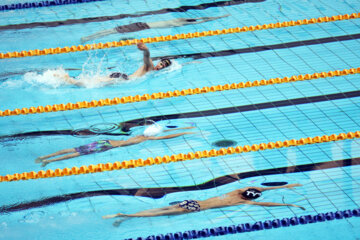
{"x": 251, "y": 193}
{"x": 166, "y": 62}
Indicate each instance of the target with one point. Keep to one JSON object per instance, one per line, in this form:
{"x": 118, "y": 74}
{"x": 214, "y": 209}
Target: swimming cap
{"x": 152, "y": 130}
{"x": 251, "y": 193}
{"x": 166, "y": 62}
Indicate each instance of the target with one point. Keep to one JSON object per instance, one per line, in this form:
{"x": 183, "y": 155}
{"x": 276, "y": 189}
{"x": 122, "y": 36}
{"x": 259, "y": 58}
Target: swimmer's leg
{"x": 69, "y": 153}
{"x": 68, "y": 156}
{"x": 165, "y": 211}
{"x": 172, "y": 210}
{"x": 61, "y": 152}
{"x": 98, "y": 35}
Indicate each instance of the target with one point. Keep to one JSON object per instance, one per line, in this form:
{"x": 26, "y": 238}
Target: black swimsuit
{"x": 133, "y": 27}
{"x": 119, "y": 75}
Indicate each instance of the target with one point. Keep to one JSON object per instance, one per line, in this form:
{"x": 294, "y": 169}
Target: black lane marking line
{"x": 126, "y": 126}
{"x": 156, "y": 193}
{"x": 75, "y": 133}
{"x": 121, "y": 16}
{"x": 230, "y": 52}
{"x": 251, "y": 107}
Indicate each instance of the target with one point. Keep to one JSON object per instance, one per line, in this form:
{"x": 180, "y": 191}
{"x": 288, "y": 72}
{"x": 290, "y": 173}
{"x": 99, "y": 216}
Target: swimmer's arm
{"x": 278, "y": 187}
{"x": 147, "y": 60}
{"x": 271, "y": 204}
{"x": 203, "y": 19}
{"x": 192, "y": 62}
{"x": 169, "y": 130}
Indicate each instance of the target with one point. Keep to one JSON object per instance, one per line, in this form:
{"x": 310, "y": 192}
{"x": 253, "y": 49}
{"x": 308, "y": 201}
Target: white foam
{"x": 173, "y": 67}
{"x": 51, "y": 78}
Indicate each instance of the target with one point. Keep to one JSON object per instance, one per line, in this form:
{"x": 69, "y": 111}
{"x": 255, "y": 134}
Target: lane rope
{"x": 134, "y": 163}
{"x": 175, "y": 93}
{"x": 255, "y": 226}
{"x": 15, "y": 6}
{"x": 67, "y": 49}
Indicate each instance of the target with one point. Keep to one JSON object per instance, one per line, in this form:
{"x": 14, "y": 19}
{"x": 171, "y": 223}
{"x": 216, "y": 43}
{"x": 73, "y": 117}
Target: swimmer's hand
{"x": 188, "y": 127}
{"x": 141, "y": 46}
{"x": 44, "y": 163}
{"x": 118, "y": 222}
{"x": 302, "y": 208}
{"x": 192, "y": 62}
{"x": 39, "y": 160}
{"x": 112, "y": 216}
{"x": 293, "y": 185}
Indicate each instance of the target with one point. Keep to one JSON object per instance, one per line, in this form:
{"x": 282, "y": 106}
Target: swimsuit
{"x": 251, "y": 193}
{"x": 133, "y": 27}
{"x": 119, "y": 75}
{"x": 94, "y": 147}
{"x": 190, "y": 205}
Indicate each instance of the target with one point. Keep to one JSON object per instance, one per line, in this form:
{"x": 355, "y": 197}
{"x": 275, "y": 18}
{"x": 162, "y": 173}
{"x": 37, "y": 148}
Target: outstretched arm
{"x": 277, "y": 187}
{"x": 169, "y": 136}
{"x": 202, "y": 19}
{"x": 147, "y": 60}
{"x": 271, "y": 204}
{"x": 174, "y": 129}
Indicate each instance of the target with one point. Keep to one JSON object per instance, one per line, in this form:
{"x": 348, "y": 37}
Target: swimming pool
{"x": 72, "y": 206}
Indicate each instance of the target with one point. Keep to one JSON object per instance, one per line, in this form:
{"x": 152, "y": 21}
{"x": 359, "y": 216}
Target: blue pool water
{"x": 294, "y": 110}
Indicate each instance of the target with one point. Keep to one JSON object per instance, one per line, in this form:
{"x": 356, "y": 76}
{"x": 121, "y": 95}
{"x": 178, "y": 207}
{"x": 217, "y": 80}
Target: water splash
{"x": 90, "y": 75}
{"x": 52, "y": 78}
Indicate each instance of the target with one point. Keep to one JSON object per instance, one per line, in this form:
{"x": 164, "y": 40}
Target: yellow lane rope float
{"x": 101, "y": 167}
{"x": 175, "y": 93}
{"x": 59, "y": 50}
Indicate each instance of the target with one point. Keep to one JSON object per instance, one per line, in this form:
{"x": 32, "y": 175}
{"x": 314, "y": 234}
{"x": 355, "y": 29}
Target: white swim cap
{"x": 152, "y": 130}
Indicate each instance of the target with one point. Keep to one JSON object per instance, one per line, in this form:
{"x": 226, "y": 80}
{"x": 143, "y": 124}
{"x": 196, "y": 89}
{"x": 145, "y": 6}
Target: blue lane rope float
{"x": 250, "y": 227}
{"x": 14, "y": 6}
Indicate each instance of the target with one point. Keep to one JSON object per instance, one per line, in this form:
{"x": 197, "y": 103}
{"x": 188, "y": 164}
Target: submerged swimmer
{"x": 139, "y": 26}
{"x": 104, "y": 145}
{"x": 236, "y": 197}
{"x": 148, "y": 66}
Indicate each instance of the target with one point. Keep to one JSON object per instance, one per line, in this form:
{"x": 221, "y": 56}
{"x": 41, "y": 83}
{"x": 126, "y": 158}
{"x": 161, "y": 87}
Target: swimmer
{"x": 104, "y": 145}
{"x": 139, "y": 26}
{"x": 148, "y": 66}
{"x": 236, "y": 197}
